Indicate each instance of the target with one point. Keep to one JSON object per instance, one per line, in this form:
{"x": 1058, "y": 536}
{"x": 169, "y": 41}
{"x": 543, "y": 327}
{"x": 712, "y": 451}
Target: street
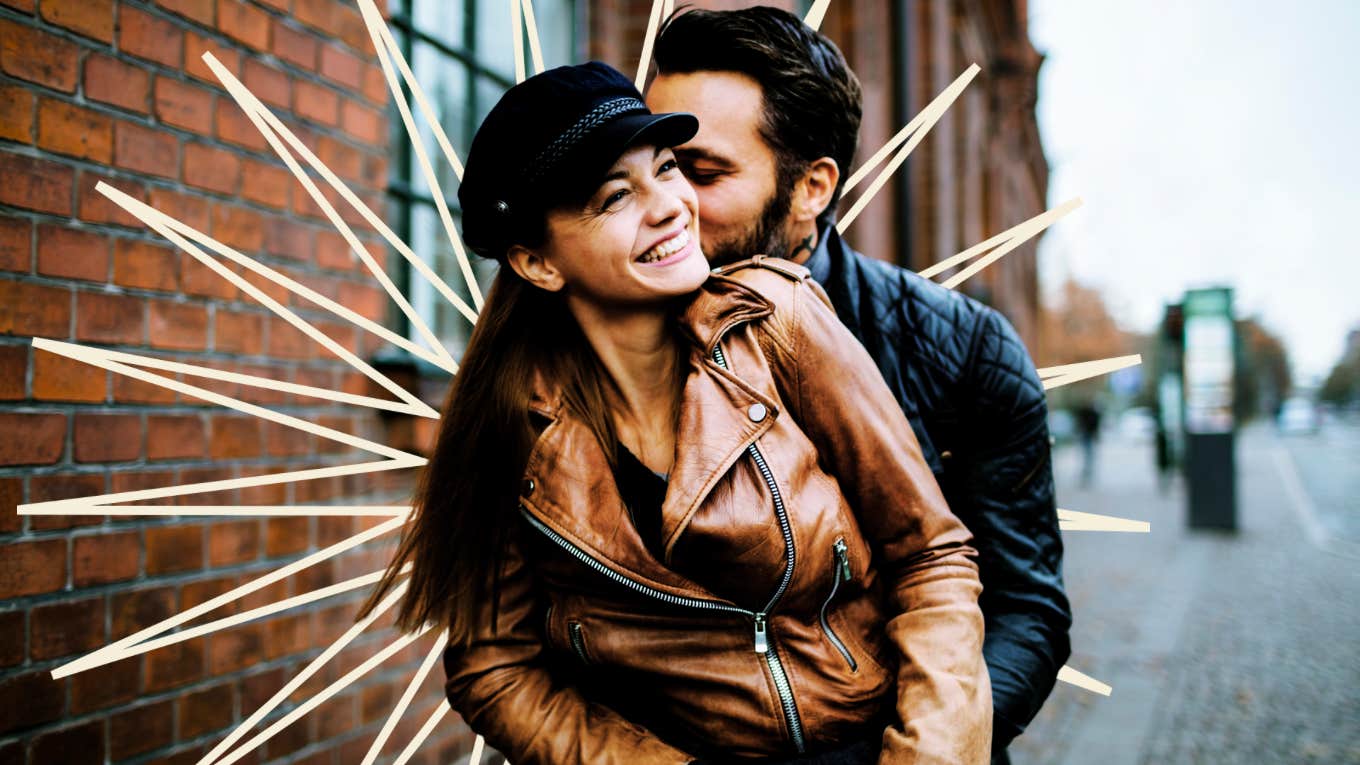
{"x": 1220, "y": 647}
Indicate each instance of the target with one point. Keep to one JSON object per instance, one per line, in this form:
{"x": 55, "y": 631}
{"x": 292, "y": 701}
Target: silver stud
{"x": 502, "y": 206}
{"x": 756, "y": 412}
{"x": 528, "y": 486}
{"x": 946, "y": 454}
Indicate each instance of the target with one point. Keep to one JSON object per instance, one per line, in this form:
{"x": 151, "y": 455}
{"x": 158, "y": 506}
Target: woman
{"x": 673, "y": 515}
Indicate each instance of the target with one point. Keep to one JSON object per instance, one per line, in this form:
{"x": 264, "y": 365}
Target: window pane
{"x": 444, "y": 81}
{"x": 442, "y": 19}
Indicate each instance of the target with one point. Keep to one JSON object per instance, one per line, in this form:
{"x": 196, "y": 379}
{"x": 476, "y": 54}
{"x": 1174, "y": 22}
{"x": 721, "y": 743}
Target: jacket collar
{"x": 575, "y": 494}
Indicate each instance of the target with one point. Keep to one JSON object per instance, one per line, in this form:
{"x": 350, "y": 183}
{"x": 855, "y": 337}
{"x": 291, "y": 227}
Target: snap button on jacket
{"x": 813, "y": 584}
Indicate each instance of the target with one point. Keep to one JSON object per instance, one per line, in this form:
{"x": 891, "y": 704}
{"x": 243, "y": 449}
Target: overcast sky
{"x": 1212, "y": 142}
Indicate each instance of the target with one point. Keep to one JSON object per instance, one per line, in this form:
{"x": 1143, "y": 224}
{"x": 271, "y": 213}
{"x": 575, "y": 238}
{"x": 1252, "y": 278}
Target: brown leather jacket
{"x": 814, "y": 582}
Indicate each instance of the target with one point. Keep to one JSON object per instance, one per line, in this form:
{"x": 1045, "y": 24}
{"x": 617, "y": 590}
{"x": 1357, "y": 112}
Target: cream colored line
{"x": 1086, "y": 370}
{"x": 405, "y": 701}
{"x": 259, "y": 612}
{"x": 377, "y": 28}
{"x": 233, "y": 511}
{"x": 1071, "y": 520}
{"x": 276, "y": 133}
{"x": 517, "y": 40}
{"x": 181, "y": 234}
{"x": 476, "y": 757}
{"x": 816, "y": 14}
{"x": 253, "y": 381}
{"x": 1069, "y": 675}
{"x": 315, "y": 701}
{"x": 119, "y": 649}
{"x": 531, "y": 28}
{"x": 98, "y": 357}
{"x": 917, "y": 129}
{"x": 387, "y": 49}
{"x": 645, "y": 60}
{"x": 302, "y": 676}
{"x": 1010, "y": 239}
{"x": 78, "y": 505}
{"x": 424, "y": 733}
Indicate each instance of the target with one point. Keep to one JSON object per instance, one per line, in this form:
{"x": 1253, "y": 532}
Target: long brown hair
{"x": 467, "y": 495}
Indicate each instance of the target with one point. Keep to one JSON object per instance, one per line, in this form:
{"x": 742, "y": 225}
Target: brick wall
{"x": 114, "y": 91}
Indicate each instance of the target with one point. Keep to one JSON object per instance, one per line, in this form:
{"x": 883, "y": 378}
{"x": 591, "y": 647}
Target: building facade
{"x": 115, "y": 91}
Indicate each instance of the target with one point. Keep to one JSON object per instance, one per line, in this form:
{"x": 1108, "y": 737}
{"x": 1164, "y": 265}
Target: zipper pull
{"x": 762, "y": 643}
{"x": 843, "y": 558}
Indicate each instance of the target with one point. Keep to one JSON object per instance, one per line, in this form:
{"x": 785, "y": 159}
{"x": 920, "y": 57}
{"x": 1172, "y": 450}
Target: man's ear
{"x": 534, "y": 268}
{"x": 812, "y": 193}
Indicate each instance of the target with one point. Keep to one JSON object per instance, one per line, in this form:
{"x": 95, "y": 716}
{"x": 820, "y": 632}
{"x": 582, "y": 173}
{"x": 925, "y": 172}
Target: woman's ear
{"x": 813, "y": 192}
{"x": 534, "y": 268}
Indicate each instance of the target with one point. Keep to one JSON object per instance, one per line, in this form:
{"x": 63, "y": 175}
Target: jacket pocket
{"x": 840, "y": 571}
{"x": 578, "y": 641}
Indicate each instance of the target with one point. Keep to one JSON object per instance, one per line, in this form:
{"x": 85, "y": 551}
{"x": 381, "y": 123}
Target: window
{"x": 462, "y": 54}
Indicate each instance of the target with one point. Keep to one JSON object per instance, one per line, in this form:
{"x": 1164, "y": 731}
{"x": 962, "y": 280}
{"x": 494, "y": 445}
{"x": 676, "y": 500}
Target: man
{"x": 779, "y": 114}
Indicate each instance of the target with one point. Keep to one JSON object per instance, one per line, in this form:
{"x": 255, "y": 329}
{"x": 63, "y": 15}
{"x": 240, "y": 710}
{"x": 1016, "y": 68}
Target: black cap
{"x": 557, "y": 130}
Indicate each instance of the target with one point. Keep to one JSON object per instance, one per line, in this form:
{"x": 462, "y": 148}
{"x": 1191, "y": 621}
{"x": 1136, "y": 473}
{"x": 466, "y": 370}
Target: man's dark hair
{"x": 812, "y": 102}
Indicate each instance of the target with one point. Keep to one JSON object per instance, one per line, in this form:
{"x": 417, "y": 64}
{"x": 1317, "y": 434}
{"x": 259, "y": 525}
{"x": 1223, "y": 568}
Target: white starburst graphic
{"x": 307, "y": 169}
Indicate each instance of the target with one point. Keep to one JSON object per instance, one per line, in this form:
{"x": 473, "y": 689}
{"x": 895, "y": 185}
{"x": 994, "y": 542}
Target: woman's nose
{"x": 664, "y": 205}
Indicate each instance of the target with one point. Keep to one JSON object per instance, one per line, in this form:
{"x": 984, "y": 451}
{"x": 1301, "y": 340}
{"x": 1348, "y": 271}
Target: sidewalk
{"x": 1220, "y": 647}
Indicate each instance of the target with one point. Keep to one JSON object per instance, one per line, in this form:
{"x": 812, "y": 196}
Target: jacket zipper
{"x": 841, "y": 570}
{"x": 577, "y": 642}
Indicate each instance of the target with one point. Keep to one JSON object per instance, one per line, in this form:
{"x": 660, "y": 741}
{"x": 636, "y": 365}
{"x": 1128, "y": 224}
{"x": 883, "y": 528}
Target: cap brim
{"x": 669, "y": 129}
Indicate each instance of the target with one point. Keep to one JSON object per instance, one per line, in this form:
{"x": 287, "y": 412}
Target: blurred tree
{"x": 1262, "y": 377}
{"x": 1342, "y": 385}
{"x": 1080, "y": 328}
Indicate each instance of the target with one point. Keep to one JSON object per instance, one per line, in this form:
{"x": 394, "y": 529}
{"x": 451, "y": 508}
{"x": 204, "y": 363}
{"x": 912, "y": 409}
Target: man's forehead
{"x": 728, "y": 105}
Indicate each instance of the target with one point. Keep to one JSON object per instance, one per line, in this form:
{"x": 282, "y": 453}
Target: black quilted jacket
{"x": 967, "y": 385}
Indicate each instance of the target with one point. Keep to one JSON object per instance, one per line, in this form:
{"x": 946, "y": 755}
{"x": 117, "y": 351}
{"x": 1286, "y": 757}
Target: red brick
{"x": 286, "y": 341}
{"x": 315, "y": 102}
{"x": 200, "y": 591}
{"x": 188, "y": 209}
{"x": 150, "y": 37}
{"x": 32, "y": 309}
{"x": 184, "y": 105}
{"x": 34, "y": 55}
{"x": 179, "y": 326}
{"x": 61, "y": 629}
{"x": 206, "y": 710}
{"x": 132, "y": 611}
{"x": 337, "y": 19}
{"x": 26, "y": 6}
{"x": 129, "y": 391}
{"x": 94, "y": 207}
{"x": 233, "y": 542}
{"x": 237, "y": 227}
{"x": 197, "y": 279}
{"x": 107, "y": 437}
{"x": 137, "y": 480}
{"x": 91, "y": 18}
{"x": 268, "y": 84}
{"x": 145, "y": 150}
{"x": 234, "y": 437}
{"x": 332, "y": 251}
{"x": 344, "y": 68}
{"x": 174, "y": 437}
{"x": 36, "y": 184}
{"x": 16, "y": 113}
{"x": 29, "y": 699}
{"x": 106, "y": 686}
{"x": 173, "y": 548}
{"x": 233, "y": 126}
{"x": 50, "y": 488}
{"x": 238, "y": 332}
{"x": 174, "y": 665}
{"x": 68, "y": 129}
{"x": 13, "y": 368}
{"x": 211, "y": 168}
{"x": 32, "y": 568}
{"x": 138, "y": 263}
{"x": 198, "y": 10}
{"x": 57, "y": 378}
{"x": 195, "y": 45}
{"x": 108, "y": 318}
{"x": 140, "y": 729}
{"x": 235, "y": 649}
{"x": 375, "y": 84}
{"x": 284, "y": 536}
{"x": 296, "y": 46}
{"x": 113, "y": 82}
{"x": 12, "y": 637}
{"x": 344, "y": 160}
{"x": 16, "y": 244}
{"x": 266, "y": 184}
{"x": 244, "y": 23}
{"x": 285, "y": 236}
{"x": 104, "y": 558}
{"x": 76, "y": 745}
{"x": 72, "y": 253}
{"x": 362, "y": 122}
{"x": 43, "y": 438}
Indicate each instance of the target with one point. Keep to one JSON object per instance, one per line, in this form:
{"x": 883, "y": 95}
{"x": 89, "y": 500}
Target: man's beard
{"x": 767, "y": 237}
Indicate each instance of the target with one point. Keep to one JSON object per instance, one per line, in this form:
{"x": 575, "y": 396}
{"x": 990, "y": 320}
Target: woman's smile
{"x": 673, "y": 249}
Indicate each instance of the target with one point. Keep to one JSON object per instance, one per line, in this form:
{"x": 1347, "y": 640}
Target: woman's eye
{"x": 613, "y": 199}
{"x": 668, "y": 166}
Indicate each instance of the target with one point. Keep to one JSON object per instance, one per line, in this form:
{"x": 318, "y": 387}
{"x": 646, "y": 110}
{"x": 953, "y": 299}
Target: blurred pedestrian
{"x": 1088, "y": 432}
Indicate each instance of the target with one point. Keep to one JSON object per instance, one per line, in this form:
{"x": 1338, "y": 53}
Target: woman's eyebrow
{"x": 623, "y": 173}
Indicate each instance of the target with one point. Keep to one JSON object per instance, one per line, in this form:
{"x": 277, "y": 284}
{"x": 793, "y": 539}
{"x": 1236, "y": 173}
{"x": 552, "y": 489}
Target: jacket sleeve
{"x": 922, "y": 552}
{"x": 503, "y": 689}
{"x": 1005, "y": 497}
